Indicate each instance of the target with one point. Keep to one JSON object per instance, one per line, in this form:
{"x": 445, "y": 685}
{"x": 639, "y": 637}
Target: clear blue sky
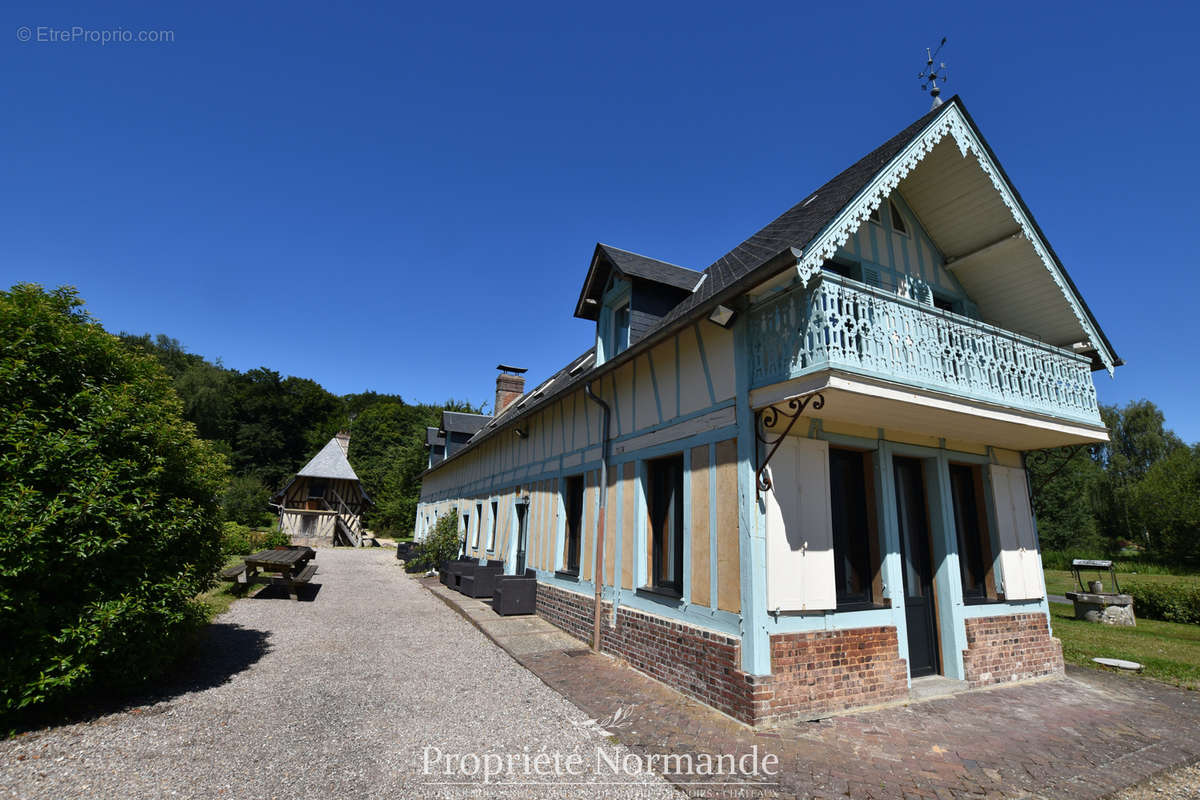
{"x": 398, "y": 199}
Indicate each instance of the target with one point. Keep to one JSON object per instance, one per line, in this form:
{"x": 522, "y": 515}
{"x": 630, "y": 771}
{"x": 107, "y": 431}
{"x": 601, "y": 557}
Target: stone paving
{"x": 1087, "y": 735}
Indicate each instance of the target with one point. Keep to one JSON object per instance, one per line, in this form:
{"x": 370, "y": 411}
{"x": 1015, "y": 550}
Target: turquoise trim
{"x": 829, "y": 621}
{"x": 1006, "y": 608}
{"x": 756, "y": 641}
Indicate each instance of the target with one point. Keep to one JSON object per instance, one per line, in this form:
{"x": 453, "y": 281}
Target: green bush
{"x": 265, "y": 540}
{"x": 109, "y": 517}
{"x": 235, "y": 540}
{"x": 238, "y": 540}
{"x": 442, "y": 544}
{"x": 1170, "y": 602}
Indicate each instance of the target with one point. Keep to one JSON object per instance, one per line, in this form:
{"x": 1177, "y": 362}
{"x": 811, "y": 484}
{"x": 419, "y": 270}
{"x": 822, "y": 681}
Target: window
{"x": 843, "y": 267}
{"x": 316, "y": 490}
{"x": 621, "y": 318}
{"x": 974, "y": 547}
{"x": 897, "y": 221}
{"x": 853, "y": 533}
{"x": 664, "y": 496}
{"x": 491, "y": 540}
{"x": 573, "y": 500}
{"x": 478, "y": 524}
{"x": 466, "y": 529}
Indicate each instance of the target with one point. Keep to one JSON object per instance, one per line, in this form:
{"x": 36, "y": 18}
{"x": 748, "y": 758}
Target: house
{"x": 324, "y": 502}
{"x": 794, "y": 482}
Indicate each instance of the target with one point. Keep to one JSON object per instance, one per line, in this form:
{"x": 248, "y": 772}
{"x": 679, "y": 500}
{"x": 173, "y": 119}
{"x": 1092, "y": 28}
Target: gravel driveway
{"x": 342, "y": 695}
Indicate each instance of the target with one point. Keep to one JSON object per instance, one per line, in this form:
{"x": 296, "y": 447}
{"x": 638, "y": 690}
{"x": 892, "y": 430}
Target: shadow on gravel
{"x": 278, "y": 591}
{"x": 221, "y": 651}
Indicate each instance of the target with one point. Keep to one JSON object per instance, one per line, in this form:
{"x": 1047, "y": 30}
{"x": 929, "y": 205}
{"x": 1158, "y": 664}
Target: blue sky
{"x": 398, "y": 198}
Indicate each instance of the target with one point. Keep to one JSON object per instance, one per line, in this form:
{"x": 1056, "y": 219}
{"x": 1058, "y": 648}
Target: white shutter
{"x": 799, "y": 534}
{"x": 1020, "y": 562}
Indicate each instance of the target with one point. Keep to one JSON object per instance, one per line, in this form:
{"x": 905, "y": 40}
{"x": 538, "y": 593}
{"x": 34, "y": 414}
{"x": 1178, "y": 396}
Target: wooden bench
{"x": 233, "y": 573}
{"x": 306, "y": 574}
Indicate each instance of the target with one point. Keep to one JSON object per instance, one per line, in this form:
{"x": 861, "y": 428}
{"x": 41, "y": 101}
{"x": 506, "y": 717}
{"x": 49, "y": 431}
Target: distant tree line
{"x": 1140, "y": 492}
{"x": 268, "y": 426}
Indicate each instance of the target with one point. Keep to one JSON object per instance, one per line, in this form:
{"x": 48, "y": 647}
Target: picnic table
{"x": 289, "y": 563}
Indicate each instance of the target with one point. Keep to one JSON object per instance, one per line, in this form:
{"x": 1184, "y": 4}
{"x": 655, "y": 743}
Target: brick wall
{"x": 820, "y": 672}
{"x": 1010, "y": 648}
{"x": 815, "y": 673}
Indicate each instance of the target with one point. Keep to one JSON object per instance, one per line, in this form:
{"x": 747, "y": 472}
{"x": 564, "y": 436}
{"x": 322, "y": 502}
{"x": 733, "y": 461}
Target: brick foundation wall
{"x": 1010, "y": 648}
{"x": 703, "y": 664}
{"x": 821, "y": 672}
{"x": 815, "y": 673}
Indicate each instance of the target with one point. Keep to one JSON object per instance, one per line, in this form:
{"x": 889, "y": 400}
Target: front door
{"x": 522, "y": 532}
{"x": 918, "y": 568}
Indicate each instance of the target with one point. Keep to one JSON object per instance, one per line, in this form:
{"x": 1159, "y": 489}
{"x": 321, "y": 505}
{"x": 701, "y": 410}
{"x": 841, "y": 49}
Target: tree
{"x": 109, "y": 518}
{"x": 1166, "y": 505}
{"x": 246, "y": 500}
{"x": 1065, "y": 503}
{"x": 1139, "y": 440}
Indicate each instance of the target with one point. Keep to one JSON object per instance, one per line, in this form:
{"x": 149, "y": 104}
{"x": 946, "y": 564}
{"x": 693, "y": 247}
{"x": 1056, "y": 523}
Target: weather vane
{"x": 933, "y": 74}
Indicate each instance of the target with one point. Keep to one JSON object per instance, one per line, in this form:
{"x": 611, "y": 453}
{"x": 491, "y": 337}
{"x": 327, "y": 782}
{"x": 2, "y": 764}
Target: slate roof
{"x": 633, "y": 265}
{"x": 458, "y": 422}
{"x": 767, "y": 252}
{"x": 329, "y": 463}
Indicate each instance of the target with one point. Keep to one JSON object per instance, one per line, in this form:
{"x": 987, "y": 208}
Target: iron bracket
{"x": 766, "y": 419}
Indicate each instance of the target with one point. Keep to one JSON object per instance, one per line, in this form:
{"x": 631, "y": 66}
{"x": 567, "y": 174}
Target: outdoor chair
{"x": 448, "y": 570}
{"x": 515, "y": 594}
{"x": 467, "y": 570}
{"x": 482, "y": 580}
{"x": 459, "y": 568}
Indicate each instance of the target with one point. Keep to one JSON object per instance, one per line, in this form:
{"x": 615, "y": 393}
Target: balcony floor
{"x": 873, "y": 403}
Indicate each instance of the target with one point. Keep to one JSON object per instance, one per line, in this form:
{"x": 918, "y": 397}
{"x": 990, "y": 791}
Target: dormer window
{"x": 621, "y": 316}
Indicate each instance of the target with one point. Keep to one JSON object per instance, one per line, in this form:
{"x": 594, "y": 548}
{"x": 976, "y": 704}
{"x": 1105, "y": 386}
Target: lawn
{"x": 1170, "y": 651}
{"x": 1061, "y": 581}
{"x": 221, "y": 596}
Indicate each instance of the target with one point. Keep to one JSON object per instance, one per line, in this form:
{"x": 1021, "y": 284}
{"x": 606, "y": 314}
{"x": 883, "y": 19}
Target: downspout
{"x": 599, "y": 557}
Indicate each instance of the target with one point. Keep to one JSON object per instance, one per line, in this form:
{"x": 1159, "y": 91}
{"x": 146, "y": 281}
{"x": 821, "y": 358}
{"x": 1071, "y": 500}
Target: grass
{"x": 220, "y": 597}
{"x": 1061, "y": 581}
{"x": 1169, "y": 651}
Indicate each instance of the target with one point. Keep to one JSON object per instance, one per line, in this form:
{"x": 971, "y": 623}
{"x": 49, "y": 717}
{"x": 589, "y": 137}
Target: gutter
{"x": 598, "y": 576}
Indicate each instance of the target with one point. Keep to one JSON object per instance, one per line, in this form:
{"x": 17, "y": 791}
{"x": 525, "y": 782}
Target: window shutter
{"x": 799, "y": 533}
{"x": 1020, "y": 562}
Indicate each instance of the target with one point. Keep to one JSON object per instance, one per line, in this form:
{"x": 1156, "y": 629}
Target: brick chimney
{"x": 343, "y": 439}
{"x": 510, "y": 385}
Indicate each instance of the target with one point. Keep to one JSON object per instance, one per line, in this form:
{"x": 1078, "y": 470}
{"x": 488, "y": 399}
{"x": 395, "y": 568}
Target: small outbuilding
{"x": 325, "y": 500}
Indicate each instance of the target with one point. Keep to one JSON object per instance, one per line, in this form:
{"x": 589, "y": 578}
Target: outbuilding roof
{"x": 330, "y": 462}
{"x": 459, "y": 422}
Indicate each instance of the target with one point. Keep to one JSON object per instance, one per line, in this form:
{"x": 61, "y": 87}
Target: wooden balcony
{"x": 839, "y": 324}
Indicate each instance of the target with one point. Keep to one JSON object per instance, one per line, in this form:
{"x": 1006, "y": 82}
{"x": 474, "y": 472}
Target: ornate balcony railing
{"x": 837, "y": 323}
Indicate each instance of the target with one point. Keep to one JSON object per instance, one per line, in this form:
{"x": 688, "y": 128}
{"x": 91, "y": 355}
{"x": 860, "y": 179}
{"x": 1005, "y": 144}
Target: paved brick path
{"x": 1083, "y": 736}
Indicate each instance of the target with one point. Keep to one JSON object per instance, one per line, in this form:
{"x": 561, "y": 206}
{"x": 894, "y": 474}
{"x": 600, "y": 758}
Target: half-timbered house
{"x": 324, "y": 501}
{"x": 794, "y": 481}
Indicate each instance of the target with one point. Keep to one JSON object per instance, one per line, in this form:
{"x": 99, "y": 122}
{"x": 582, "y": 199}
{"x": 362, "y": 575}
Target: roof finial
{"x": 931, "y": 74}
